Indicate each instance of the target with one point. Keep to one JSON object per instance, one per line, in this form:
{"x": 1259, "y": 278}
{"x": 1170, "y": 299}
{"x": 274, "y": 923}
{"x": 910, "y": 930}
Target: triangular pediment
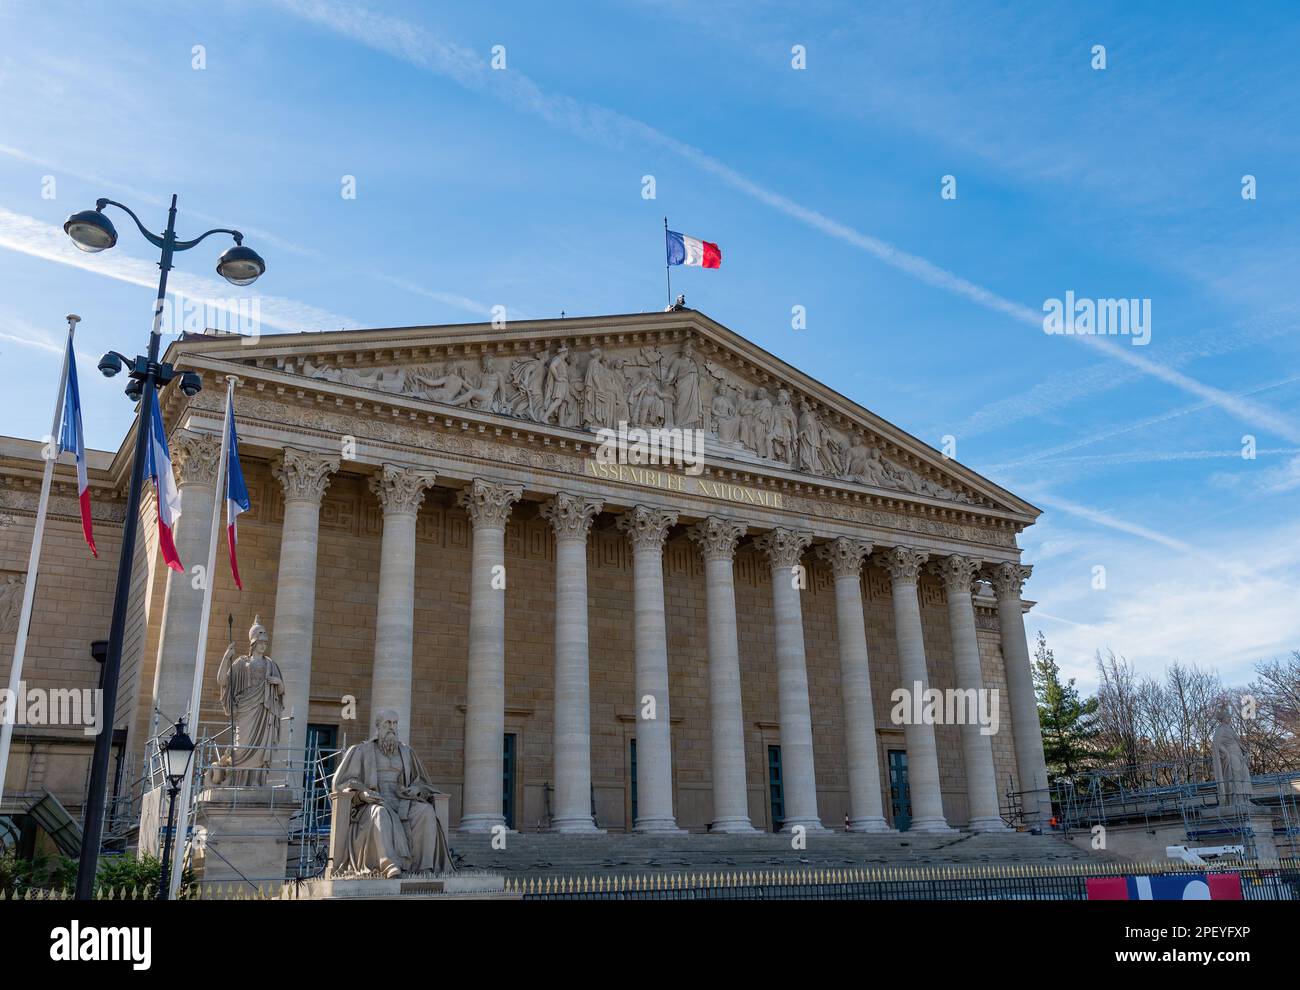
{"x": 677, "y": 369}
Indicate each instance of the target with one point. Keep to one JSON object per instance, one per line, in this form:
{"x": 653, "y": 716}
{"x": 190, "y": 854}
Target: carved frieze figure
{"x": 684, "y": 376}
{"x": 252, "y": 697}
{"x": 486, "y": 394}
{"x": 810, "y": 440}
{"x": 386, "y": 800}
{"x": 726, "y": 417}
{"x": 1231, "y": 768}
{"x": 444, "y": 388}
{"x": 647, "y": 400}
{"x": 835, "y": 451}
{"x": 785, "y": 428}
{"x": 557, "y": 384}
{"x": 528, "y": 375}
{"x": 388, "y": 379}
{"x": 599, "y": 402}
{"x": 760, "y": 424}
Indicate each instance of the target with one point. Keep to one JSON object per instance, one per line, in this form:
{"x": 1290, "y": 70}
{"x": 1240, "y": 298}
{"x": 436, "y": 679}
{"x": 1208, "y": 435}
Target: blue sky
{"x": 522, "y": 187}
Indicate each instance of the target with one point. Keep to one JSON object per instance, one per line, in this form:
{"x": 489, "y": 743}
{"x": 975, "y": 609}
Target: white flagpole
{"x": 196, "y": 690}
{"x": 33, "y": 562}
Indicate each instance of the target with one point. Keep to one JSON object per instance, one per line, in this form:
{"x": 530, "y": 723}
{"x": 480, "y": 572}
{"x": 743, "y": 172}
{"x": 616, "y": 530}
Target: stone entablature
{"x": 459, "y": 447}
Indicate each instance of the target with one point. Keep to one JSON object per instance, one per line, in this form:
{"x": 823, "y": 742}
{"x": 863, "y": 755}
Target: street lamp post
{"x": 93, "y": 232}
{"x": 176, "y": 757}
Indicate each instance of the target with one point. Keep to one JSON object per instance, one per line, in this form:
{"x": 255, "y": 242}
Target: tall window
{"x": 321, "y": 761}
{"x": 900, "y": 792}
{"x": 508, "y": 780}
{"x": 631, "y": 762}
{"x": 775, "y": 787}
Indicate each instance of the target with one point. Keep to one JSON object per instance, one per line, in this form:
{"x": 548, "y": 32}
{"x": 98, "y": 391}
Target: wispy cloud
{"x": 426, "y": 50}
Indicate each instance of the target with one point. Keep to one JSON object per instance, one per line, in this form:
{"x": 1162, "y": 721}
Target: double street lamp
{"x": 92, "y": 231}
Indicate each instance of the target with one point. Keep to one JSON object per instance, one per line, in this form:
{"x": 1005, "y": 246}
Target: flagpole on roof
{"x": 668, "y": 271}
{"x": 196, "y": 689}
{"x": 51, "y": 454}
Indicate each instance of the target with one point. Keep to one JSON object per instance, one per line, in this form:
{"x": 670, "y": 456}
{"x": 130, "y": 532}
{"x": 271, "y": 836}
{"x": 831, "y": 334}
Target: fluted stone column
{"x": 904, "y": 567}
{"x": 646, "y": 529}
{"x": 784, "y": 548}
{"x": 957, "y": 573}
{"x": 401, "y": 492}
{"x": 488, "y": 504}
{"x": 303, "y": 476}
{"x": 1007, "y": 580}
{"x": 717, "y": 538}
{"x": 572, "y": 516}
{"x": 194, "y": 458}
{"x": 845, "y": 556}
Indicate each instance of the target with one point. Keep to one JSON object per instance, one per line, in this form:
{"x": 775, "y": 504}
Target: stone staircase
{"x": 530, "y": 854}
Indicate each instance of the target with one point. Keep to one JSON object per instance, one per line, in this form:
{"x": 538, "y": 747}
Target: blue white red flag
{"x": 71, "y": 437}
{"x": 158, "y": 465}
{"x": 236, "y": 491}
{"x": 684, "y": 250}
{"x": 1167, "y": 887}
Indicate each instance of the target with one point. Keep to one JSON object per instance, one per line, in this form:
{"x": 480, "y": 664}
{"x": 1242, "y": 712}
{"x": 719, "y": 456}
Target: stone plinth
{"x": 242, "y": 833}
{"x": 372, "y": 888}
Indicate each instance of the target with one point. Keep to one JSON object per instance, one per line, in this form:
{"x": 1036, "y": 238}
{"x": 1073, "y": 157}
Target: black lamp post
{"x": 176, "y": 757}
{"x": 92, "y": 232}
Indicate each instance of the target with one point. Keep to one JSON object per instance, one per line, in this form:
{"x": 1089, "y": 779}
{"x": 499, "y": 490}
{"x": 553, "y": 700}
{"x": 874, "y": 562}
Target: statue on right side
{"x": 1231, "y": 768}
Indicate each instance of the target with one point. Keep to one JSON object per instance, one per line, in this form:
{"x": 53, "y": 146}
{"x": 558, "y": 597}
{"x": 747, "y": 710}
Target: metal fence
{"x": 1067, "y": 882}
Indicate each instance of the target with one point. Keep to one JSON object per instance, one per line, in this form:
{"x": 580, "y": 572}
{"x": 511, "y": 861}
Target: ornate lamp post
{"x": 176, "y": 757}
{"x": 93, "y": 232}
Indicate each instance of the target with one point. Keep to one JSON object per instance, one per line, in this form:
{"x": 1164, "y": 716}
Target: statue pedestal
{"x": 1261, "y": 828}
{"x": 454, "y": 885}
{"x": 242, "y": 834}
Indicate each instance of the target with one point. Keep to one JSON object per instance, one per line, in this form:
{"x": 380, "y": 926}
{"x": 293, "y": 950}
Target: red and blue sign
{"x": 1167, "y": 887}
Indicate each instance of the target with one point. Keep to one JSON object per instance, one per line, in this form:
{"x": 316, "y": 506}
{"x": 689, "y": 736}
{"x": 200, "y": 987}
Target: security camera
{"x": 109, "y": 365}
{"x": 134, "y": 389}
{"x": 191, "y": 384}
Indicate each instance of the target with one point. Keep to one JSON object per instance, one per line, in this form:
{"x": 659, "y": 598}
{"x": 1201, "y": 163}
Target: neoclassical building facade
{"x": 572, "y": 643}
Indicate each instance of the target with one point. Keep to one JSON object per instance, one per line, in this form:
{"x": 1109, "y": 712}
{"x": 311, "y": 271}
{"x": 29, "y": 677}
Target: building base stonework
{"x": 241, "y": 834}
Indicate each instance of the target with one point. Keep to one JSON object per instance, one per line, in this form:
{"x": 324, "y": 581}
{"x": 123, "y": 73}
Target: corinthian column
{"x": 845, "y": 556}
{"x": 304, "y": 477}
{"x": 784, "y": 548}
{"x": 194, "y": 457}
{"x": 647, "y": 528}
{"x": 717, "y": 540}
{"x": 976, "y": 747}
{"x": 400, "y": 491}
{"x": 904, "y": 566}
{"x": 571, "y": 516}
{"x": 488, "y": 504}
{"x": 1007, "y": 580}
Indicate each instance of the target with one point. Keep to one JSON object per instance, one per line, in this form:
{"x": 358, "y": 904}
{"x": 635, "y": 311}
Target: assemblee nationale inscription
{"x": 669, "y": 481}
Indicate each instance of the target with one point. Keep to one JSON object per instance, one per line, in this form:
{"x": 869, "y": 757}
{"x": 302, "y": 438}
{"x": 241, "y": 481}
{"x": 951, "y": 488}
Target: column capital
{"x": 784, "y": 547}
{"x": 956, "y": 571}
{"x": 489, "y": 502}
{"x": 571, "y": 515}
{"x": 845, "y": 555}
{"x": 717, "y": 537}
{"x": 401, "y": 489}
{"x": 647, "y": 528}
{"x": 904, "y": 564}
{"x": 304, "y": 475}
{"x": 195, "y": 457}
{"x": 1008, "y": 579}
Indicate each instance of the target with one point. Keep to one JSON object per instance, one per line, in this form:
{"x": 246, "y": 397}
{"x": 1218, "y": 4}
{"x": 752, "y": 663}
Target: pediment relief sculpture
{"x": 649, "y": 386}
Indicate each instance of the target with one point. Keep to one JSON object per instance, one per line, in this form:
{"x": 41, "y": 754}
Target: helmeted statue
{"x": 252, "y": 696}
{"x": 1231, "y": 769}
{"x": 386, "y": 800}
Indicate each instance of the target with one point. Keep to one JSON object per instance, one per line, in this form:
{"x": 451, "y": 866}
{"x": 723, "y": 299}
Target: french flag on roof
{"x": 158, "y": 463}
{"x": 684, "y": 250}
{"x": 71, "y": 437}
{"x": 236, "y": 491}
